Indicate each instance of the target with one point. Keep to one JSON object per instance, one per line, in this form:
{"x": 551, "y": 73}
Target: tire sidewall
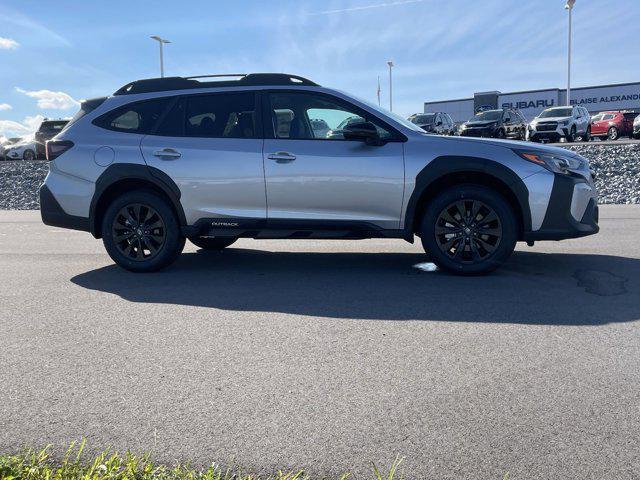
{"x": 612, "y": 129}
{"x": 173, "y": 243}
{"x": 30, "y": 154}
{"x": 469, "y": 192}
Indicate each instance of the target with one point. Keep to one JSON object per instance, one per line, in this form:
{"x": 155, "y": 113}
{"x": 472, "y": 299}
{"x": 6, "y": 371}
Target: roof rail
{"x": 183, "y": 83}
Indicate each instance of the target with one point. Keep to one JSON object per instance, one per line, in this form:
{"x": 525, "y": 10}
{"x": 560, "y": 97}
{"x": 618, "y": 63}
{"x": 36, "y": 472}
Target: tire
{"x": 587, "y": 136}
{"x": 478, "y": 253}
{"x": 572, "y": 135}
{"x": 161, "y": 238}
{"x": 500, "y": 133}
{"x": 613, "y": 133}
{"x": 210, "y": 243}
{"x": 28, "y": 155}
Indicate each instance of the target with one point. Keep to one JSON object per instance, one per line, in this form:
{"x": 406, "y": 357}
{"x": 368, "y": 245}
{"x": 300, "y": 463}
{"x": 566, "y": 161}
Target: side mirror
{"x": 363, "y": 131}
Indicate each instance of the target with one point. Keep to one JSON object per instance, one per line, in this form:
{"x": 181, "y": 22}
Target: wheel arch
{"x": 447, "y": 171}
{"x": 120, "y": 178}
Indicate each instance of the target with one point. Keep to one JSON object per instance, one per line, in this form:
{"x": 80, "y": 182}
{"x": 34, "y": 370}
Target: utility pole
{"x": 161, "y": 42}
{"x": 569, "y": 6}
{"x": 390, "y": 63}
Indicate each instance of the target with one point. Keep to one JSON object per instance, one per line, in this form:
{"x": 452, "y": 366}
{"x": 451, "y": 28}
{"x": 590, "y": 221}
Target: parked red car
{"x": 612, "y": 125}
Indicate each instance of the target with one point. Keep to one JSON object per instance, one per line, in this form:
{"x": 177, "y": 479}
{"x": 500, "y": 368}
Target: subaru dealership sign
{"x": 598, "y": 98}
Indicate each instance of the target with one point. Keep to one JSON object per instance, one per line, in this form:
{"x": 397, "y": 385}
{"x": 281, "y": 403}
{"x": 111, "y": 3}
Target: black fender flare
{"x": 131, "y": 171}
{"x": 446, "y": 165}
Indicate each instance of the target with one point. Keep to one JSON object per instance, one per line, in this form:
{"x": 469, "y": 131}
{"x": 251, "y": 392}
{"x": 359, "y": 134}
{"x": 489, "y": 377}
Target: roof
{"x": 184, "y": 83}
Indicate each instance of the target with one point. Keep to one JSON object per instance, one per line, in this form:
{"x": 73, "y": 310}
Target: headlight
{"x": 463, "y": 126}
{"x": 553, "y": 162}
{"x": 563, "y": 123}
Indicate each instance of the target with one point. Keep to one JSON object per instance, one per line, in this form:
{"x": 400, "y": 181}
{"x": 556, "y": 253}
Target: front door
{"x": 315, "y": 175}
{"x": 211, "y": 147}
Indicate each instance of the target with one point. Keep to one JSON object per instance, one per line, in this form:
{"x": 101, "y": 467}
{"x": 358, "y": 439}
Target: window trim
{"x": 268, "y": 129}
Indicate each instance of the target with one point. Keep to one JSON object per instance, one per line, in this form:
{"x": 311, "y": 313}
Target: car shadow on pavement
{"x": 532, "y": 288}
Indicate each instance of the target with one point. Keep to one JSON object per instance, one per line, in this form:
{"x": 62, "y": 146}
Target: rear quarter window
{"x": 137, "y": 117}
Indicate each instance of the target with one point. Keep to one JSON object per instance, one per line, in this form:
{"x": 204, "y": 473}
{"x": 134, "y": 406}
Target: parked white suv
{"x": 162, "y": 160}
{"x": 570, "y": 123}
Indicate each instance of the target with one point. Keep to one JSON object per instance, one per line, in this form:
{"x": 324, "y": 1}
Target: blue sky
{"x": 53, "y": 54}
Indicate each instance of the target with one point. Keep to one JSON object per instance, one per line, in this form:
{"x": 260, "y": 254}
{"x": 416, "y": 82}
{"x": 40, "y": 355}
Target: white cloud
{"x": 26, "y": 128}
{"x": 368, "y": 7}
{"x": 8, "y": 44}
{"x": 5, "y": 106}
{"x": 51, "y": 100}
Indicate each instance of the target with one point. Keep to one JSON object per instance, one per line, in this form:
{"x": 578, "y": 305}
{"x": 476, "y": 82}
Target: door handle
{"x": 282, "y": 157}
{"x": 167, "y": 154}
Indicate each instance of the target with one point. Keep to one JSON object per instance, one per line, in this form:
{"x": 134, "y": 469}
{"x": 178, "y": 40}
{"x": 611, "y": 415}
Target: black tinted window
{"x": 229, "y": 115}
{"x": 172, "y": 124}
{"x": 137, "y": 117}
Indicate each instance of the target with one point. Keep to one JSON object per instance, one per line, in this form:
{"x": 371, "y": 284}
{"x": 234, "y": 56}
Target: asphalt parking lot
{"x": 329, "y": 354}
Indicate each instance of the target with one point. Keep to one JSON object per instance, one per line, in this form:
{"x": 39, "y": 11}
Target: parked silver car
{"x": 570, "y": 123}
{"x": 162, "y": 160}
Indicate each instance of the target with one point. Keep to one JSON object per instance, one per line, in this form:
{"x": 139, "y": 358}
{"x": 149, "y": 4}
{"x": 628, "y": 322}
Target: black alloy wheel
{"x": 468, "y": 231}
{"x": 138, "y": 232}
{"x": 141, "y": 232}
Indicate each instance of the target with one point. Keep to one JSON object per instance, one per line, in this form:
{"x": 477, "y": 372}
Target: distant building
{"x": 623, "y": 96}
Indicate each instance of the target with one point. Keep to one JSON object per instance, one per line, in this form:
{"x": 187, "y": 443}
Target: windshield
{"x": 557, "y": 112}
{"x": 425, "y": 119}
{"x": 386, "y": 113}
{"x": 489, "y": 115}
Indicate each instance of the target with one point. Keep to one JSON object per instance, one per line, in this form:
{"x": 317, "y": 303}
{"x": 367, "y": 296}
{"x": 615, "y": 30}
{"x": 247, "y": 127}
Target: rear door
{"x": 210, "y": 145}
{"x": 321, "y": 178}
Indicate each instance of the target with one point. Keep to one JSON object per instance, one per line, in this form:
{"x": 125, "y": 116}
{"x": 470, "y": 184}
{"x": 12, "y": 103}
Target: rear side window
{"x": 138, "y": 117}
{"x": 228, "y": 115}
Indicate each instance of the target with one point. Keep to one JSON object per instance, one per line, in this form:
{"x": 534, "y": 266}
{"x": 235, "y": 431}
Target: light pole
{"x": 390, "y": 63}
{"x": 569, "y": 6}
{"x": 161, "y": 42}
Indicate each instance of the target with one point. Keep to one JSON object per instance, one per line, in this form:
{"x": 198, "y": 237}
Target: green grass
{"x": 34, "y": 464}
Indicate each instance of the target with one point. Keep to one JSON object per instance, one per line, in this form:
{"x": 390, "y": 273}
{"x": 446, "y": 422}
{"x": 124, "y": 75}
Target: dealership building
{"x": 622, "y": 96}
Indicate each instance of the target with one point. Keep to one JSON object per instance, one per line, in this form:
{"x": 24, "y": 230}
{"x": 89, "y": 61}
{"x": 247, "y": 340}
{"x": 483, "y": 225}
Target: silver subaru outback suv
{"x": 277, "y": 156}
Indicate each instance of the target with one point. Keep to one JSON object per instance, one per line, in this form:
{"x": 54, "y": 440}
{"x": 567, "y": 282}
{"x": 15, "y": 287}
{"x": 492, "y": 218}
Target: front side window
{"x": 138, "y": 117}
{"x": 306, "y": 116}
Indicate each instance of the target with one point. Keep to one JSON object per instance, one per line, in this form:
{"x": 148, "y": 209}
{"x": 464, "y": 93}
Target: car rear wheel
{"x": 211, "y": 243}
{"x": 613, "y": 133}
{"x": 28, "y": 155}
{"x": 469, "y": 230}
{"x": 141, "y": 233}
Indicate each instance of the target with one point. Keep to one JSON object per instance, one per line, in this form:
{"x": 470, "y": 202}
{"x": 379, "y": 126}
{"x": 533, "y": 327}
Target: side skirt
{"x": 290, "y": 229}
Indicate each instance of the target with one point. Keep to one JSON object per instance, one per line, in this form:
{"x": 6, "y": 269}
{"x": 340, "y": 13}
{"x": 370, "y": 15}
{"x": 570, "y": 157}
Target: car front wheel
{"x": 211, "y": 243}
{"x": 469, "y": 230}
{"x": 28, "y": 155}
{"x": 141, "y": 233}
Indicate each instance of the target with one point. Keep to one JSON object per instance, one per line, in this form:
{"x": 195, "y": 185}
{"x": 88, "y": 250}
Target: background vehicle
{"x": 6, "y": 144}
{"x": 22, "y": 150}
{"x": 47, "y": 130}
{"x": 163, "y": 160}
{"x": 505, "y": 123}
{"x": 570, "y": 123}
{"x": 636, "y": 128}
{"x": 439, "y": 123}
{"x": 612, "y": 125}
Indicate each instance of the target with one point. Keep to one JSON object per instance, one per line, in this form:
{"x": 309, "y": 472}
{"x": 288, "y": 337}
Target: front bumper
{"x": 52, "y": 213}
{"x": 548, "y": 135}
{"x": 572, "y": 211}
{"x": 477, "y": 132}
